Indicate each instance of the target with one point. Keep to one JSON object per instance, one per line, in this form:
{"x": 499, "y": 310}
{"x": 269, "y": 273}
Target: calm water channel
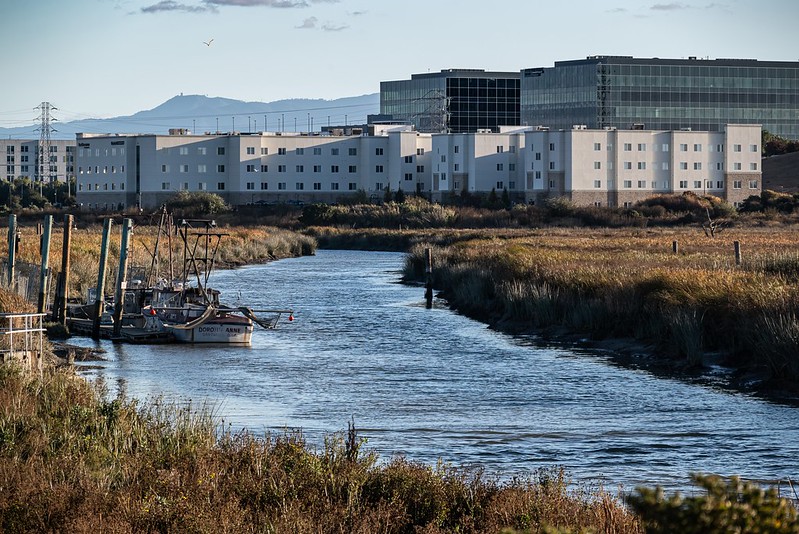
{"x": 431, "y": 384}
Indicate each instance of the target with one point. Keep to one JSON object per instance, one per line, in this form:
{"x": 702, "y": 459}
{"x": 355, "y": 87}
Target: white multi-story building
{"x": 605, "y": 167}
{"x": 22, "y": 155}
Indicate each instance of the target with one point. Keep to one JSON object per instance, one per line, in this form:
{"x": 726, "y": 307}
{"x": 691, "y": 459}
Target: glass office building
{"x": 453, "y": 100}
{"x": 663, "y": 94}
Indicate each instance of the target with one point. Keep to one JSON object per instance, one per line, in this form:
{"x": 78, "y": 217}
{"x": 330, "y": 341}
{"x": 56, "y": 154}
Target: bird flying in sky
{"x": 208, "y": 42}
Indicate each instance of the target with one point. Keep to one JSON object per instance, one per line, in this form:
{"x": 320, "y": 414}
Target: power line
{"x": 44, "y": 142}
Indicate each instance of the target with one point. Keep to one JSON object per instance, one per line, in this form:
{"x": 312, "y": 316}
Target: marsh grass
{"x": 619, "y": 283}
{"x": 72, "y": 460}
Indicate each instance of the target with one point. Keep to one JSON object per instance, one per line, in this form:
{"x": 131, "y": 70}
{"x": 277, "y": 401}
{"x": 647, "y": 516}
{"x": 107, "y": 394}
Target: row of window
{"x": 25, "y": 148}
{"x": 87, "y": 152}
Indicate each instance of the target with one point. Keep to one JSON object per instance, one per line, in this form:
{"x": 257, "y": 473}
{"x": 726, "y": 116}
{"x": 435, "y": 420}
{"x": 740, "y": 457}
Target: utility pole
{"x": 43, "y": 163}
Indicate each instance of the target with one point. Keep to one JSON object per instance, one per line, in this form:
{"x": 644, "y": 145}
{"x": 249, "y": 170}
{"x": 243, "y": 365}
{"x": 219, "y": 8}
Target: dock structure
{"x": 22, "y": 339}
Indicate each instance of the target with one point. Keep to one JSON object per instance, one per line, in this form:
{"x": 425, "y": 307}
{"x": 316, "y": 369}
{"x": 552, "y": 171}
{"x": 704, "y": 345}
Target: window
{"x": 736, "y": 148}
{"x": 379, "y": 186}
{"x": 752, "y": 148}
{"x": 334, "y": 151}
{"x": 736, "y": 184}
{"x": 552, "y": 184}
{"x": 352, "y": 169}
{"x": 250, "y": 186}
{"x": 317, "y": 186}
{"x": 334, "y": 186}
{"x": 628, "y": 184}
{"x": 281, "y": 186}
{"x": 378, "y": 151}
{"x": 499, "y": 166}
{"x": 164, "y": 168}
{"x": 220, "y": 151}
{"x": 551, "y": 165}
{"x": 641, "y": 184}
{"x": 628, "y": 147}
{"x": 665, "y": 147}
{"x": 551, "y": 146}
{"x": 719, "y": 166}
{"x": 597, "y": 165}
{"x": 719, "y": 148}
{"x": 202, "y": 169}
{"x": 736, "y": 166}
{"x": 597, "y": 184}
{"x": 538, "y": 156}
{"x": 264, "y": 151}
{"x": 264, "y": 186}
{"x": 708, "y": 184}
{"x": 753, "y": 166}
{"x": 317, "y": 151}
{"x": 511, "y": 167}
{"x": 352, "y": 186}
{"x": 683, "y": 165}
{"x": 511, "y": 185}
{"x": 378, "y": 168}
{"x": 299, "y": 151}
{"x": 683, "y": 184}
{"x": 683, "y": 147}
{"x": 500, "y": 185}
{"x": 264, "y": 168}
{"x": 443, "y": 158}
{"x": 200, "y": 186}
{"x": 299, "y": 186}
{"x": 353, "y": 151}
{"x": 641, "y": 165}
{"x": 408, "y": 176}
{"x": 281, "y": 151}
{"x": 334, "y": 168}
{"x": 500, "y": 149}
{"x": 664, "y": 166}
{"x": 317, "y": 168}
{"x": 183, "y": 168}
{"x": 251, "y": 150}
{"x": 299, "y": 168}
{"x": 719, "y": 185}
{"x": 537, "y": 175}
{"x": 281, "y": 168}
{"x": 752, "y": 184}
{"x": 628, "y": 165}
{"x": 408, "y": 159}
{"x": 697, "y": 184}
{"x": 697, "y": 147}
{"x": 184, "y": 151}
{"x": 420, "y": 151}
{"x": 456, "y": 149}
{"x": 220, "y": 186}
{"x": 641, "y": 147}
{"x": 165, "y": 186}
{"x": 512, "y": 149}
{"x": 597, "y": 146}
{"x": 250, "y": 168}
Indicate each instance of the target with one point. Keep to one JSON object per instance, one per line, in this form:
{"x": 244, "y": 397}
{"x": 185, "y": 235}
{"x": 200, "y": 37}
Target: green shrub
{"x": 196, "y": 203}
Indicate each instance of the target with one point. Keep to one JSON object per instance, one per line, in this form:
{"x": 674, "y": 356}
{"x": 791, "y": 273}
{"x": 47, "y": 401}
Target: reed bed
{"x": 629, "y": 283}
{"x": 73, "y": 460}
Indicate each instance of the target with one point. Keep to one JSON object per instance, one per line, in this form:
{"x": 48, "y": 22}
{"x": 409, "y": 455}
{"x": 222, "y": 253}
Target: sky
{"x": 107, "y": 58}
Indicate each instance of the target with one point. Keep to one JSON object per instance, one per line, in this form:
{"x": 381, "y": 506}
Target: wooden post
{"x": 12, "y": 249}
{"x": 62, "y": 293}
{"x": 737, "y": 245}
{"x": 119, "y": 297}
{"x": 428, "y": 294}
{"x": 675, "y": 247}
{"x": 98, "y": 298}
{"x": 48, "y": 227}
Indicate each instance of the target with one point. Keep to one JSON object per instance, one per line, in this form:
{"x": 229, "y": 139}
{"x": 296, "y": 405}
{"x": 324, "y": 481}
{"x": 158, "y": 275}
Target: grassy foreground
{"x": 630, "y": 284}
{"x": 71, "y": 461}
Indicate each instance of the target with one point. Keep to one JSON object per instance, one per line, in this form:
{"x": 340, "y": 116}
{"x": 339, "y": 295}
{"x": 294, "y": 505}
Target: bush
{"x": 196, "y": 203}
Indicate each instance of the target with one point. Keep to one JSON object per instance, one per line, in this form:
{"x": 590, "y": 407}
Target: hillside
{"x": 201, "y": 113}
{"x": 781, "y": 173}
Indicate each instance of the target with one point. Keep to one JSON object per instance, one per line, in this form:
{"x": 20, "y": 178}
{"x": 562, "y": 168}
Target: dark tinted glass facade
{"x": 663, "y": 94}
{"x": 456, "y": 101}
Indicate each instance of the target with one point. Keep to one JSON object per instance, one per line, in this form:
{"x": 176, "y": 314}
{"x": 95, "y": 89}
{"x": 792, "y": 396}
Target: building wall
{"x": 20, "y": 160}
{"x": 605, "y": 167}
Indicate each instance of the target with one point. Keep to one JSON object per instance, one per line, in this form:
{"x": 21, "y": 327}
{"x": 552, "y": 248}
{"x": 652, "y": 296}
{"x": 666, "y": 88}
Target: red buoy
{"x": 291, "y": 317}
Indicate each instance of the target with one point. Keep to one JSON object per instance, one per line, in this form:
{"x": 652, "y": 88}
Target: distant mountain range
{"x": 201, "y": 114}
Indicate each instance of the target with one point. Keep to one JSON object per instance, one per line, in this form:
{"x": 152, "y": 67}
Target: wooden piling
{"x": 675, "y": 247}
{"x": 12, "y": 249}
{"x": 62, "y": 288}
{"x": 737, "y": 245}
{"x": 98, "y": 298}
{"x": 119, "y": 297}
{"x": 45, "y": 271}
{"x": 428, "y": 294}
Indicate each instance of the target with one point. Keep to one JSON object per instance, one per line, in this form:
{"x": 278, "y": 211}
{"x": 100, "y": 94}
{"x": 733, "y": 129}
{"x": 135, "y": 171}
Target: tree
{"x": 387, "y": 195}
{"x": 399, "y": 196}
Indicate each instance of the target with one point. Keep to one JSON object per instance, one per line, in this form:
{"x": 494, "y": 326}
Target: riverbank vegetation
{"x": 75, "y": 461}
{"x": 632, "y": 284}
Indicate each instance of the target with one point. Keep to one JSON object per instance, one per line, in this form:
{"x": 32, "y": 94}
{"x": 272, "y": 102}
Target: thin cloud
{"x": 617, "y": 10}
{"x": 268, "y": 3}
{"x": 358, "y": 13}
{"x": 674, "y": 6}
{"x": 172, "y": 5}
{"x": 308, "y": 24}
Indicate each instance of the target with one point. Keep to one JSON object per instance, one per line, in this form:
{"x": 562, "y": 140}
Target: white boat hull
{"x": 212, "y": 332}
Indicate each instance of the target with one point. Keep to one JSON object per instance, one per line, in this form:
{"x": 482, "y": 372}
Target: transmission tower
{"x": 435, "y": 116}
{"x": 43, "y": 157}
